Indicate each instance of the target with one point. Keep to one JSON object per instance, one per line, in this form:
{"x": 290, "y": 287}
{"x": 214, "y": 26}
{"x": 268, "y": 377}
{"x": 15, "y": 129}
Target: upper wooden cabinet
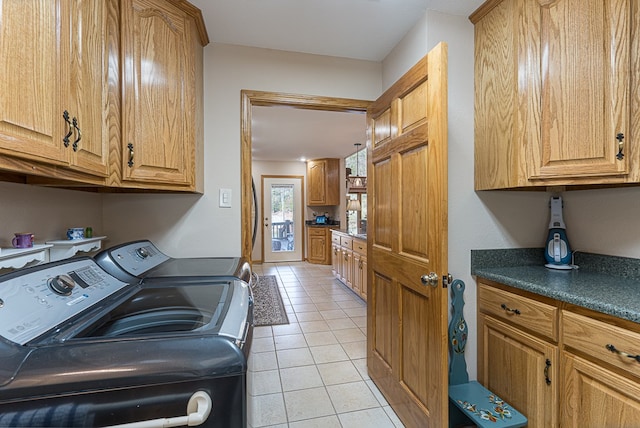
{"x": 102, "y": 93}
{"x": 556, "y": 93}
{"x": 52, "y": 91}
{"x": 162, "y": 92}
{"x": 323, "y": 182}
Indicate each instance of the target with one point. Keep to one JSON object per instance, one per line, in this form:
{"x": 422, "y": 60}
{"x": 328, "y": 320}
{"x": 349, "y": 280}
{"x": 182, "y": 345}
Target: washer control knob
{"x": 142, "y": 253}
{"x": 62, "y": 284}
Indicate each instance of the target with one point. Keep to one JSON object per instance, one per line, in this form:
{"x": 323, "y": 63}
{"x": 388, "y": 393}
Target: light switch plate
{"x": 225, "y": 198}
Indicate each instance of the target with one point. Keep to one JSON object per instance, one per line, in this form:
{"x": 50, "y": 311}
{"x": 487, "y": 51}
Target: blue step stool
{"x": 470, "y": 402}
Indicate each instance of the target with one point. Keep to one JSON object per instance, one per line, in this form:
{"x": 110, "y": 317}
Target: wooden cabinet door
{"x": 86, "y": 86}
{"x": 347, "y": 267}
{"x": 317, "y": 245}
{"x": 317, "y": 185}
{"x": 31, "y": 122}
{"x": 520, "y": 368}
{"x": 322, "y": 182}
{"x": 363, "y": 277}
{"x": 356, "y": 280}
{"x": 407, "y": 238}
{"x": 596, "y": 397}
{"x": 158, "y": 93}
{"x": 335, "y": 260}
{"x": 579, "y": 82}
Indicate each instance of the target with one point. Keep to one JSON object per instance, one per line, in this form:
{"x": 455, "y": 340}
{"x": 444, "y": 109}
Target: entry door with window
{"x": 282, "y": 219}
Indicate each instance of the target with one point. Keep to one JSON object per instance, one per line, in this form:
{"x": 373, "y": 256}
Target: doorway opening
{"x": 251, "y": 99}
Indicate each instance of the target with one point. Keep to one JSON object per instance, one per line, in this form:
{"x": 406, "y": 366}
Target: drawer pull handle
{"x": 508, "y": 309}
{"x": 547, "y": 364}
{"x": 624, "y": 354}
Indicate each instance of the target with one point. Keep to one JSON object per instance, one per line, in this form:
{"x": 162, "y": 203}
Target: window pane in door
{"x": 282, "y": 215}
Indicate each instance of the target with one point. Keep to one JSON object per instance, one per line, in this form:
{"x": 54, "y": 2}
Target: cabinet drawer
{"x": 592, "y": 337}
{"x": 522, "y": 311}
{"x": 347, "y": 242}
{"x": 360, "y": 247}
{"x": 335, "y": 238}
{"x": 316, "y": 231}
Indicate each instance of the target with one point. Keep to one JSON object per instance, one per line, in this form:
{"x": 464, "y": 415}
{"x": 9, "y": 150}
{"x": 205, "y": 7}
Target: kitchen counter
{"x": 606, "y": 284}
{"x": 355, "y": 235}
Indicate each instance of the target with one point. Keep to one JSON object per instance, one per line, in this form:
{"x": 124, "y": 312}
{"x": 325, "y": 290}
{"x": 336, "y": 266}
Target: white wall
{"x": 45, "y": 212}
{"x": 186, "y": 225}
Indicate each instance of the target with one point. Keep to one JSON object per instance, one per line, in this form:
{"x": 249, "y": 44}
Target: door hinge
{"x": 446, "y": 280}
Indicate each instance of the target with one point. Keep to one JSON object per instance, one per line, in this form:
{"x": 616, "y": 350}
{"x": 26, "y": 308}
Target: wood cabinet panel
{"x": 521, "y": 311}
{"x": 592, "y": 337}
{"x": 323, "y": 176}
{"x": 349, "y": 264}
{"x": 596, "y": 397}
{"x": 554, "y": 86}
{"x": 31, "y": 104}
{"x": 158, "y": 93}
{"x": 53, "y": 91}
{"x": 319, "y": 245}
{"x": 516, "y": 365}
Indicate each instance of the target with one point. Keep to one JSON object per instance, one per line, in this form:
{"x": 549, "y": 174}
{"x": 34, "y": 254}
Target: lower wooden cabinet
{"x": 350, "y": 262}
{"x": 569, "y": 368}
{"x": 318, "y": 245}
{"x": 521, "y": 369}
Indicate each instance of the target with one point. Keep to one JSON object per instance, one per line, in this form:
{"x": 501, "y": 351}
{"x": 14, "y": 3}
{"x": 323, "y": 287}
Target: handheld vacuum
{"x": 557, "y": 251}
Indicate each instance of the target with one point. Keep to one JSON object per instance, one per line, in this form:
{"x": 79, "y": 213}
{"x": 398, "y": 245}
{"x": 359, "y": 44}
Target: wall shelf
{"x": 15, "y": 258}
{"x": 65, "y": 248}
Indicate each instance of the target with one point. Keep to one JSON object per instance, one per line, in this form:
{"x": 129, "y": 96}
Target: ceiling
{"x": 340, "y": 28}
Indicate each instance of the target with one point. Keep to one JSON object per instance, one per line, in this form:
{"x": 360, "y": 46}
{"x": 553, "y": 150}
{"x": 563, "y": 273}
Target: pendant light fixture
{"x": 357, "y": 183}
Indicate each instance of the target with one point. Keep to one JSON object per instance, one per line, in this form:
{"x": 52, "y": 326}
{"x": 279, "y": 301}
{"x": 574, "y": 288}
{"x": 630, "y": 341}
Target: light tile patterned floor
{"x": 313, "y": 371}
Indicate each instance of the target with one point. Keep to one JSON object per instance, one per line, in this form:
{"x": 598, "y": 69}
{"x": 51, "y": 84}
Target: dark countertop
{"x": 355, "y": 235}
{"x": 590, "y": 286}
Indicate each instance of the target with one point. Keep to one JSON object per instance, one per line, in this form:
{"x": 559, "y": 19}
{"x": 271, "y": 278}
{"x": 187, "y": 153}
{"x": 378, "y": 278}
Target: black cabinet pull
{"x": 613, "y": 349}
{"x": 77, "y": 140}
{"x": 620, "y": 138}
{"x": 130, "y": 147}
{"x": 508, "y": 309}
{"x": 547, "y": 364}
{"x": 65, "y": 116}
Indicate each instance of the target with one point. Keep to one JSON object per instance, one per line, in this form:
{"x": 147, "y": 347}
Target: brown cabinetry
{"x": 602, "y": 387}
{"x": 323, "y": 182}
{"x": 162, "y": 89}
{"x": 350, "y": 262}
{"x": 104, "y": 93}
{"x": 53, "y": 94}
{"x": 558, "y": 364}
{"x": 517, "y": 357}
{"x": 319, "y": 245}
{"x": 556, "y": 93}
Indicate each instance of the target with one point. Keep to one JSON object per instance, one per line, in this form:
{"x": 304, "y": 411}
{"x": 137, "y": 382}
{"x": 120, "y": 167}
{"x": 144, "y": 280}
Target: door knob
{"x": 430, "y": 279}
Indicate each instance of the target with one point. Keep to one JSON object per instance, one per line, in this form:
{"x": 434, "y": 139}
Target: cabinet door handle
{"x": 624, "y": 354}
{"x": 509, "y": 310}
{"x": 65, "y": 140}
{"x": 620, "y": 138}
{"x": 547, "y": 365}
{"x": 130, "y": 147}
{"x": 77, "y": 140}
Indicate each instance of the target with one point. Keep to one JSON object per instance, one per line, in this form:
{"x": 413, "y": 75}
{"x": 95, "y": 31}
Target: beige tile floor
{"x": 312, "y": 372}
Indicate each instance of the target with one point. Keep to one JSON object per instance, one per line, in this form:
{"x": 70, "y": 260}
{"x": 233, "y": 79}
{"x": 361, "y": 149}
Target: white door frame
{"x": 297, "y": 254}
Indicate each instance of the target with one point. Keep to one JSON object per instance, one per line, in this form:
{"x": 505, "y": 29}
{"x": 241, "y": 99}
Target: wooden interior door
{"x": 407, "y": 240}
